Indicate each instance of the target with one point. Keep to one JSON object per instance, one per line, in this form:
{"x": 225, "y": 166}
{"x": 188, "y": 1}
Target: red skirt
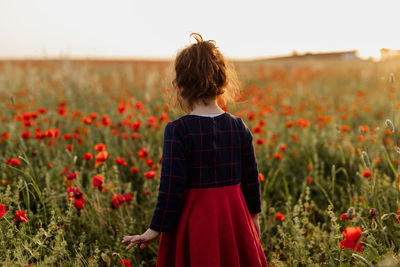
{"x": 213, "y": 229}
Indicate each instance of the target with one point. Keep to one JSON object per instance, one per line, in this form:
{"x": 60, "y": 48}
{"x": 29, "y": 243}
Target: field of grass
{"x": 325, "y": 135}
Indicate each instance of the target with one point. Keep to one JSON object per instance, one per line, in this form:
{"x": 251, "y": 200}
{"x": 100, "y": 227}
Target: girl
{"x": 209, "y": 194}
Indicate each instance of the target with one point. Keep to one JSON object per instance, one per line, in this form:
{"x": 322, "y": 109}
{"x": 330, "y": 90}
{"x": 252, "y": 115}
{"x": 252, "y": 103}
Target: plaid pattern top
{"x": 205, "y": 152}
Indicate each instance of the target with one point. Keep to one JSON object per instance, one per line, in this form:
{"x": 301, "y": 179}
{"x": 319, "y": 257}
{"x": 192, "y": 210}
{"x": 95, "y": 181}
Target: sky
{"x": 158, "y": 29}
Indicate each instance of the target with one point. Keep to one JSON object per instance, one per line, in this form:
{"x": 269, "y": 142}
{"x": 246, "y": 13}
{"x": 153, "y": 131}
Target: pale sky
{"x": 158, "y": 29}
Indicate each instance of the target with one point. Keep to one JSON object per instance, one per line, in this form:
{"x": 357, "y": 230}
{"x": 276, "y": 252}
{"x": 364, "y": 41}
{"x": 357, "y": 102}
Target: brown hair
{"x": 202, "y": 73}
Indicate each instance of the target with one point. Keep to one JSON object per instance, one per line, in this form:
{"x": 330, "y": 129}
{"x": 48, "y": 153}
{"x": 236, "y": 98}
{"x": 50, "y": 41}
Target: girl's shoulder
{"x": 190, "y": 122}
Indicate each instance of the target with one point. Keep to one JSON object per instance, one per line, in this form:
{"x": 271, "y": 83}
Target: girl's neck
{"x": 210, "y": 109}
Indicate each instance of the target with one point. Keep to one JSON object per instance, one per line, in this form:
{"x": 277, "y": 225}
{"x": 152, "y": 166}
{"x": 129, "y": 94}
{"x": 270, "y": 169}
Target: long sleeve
{"x": 172, "y": 182}
{"x": 250, "y": 184}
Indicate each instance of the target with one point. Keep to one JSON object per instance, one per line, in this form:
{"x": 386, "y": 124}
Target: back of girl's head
{"x": 202, "y": 73}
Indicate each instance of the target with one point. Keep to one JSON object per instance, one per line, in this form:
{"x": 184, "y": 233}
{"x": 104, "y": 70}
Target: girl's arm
{"x": 250, "y": 184}
{"x": 173, "y": 179}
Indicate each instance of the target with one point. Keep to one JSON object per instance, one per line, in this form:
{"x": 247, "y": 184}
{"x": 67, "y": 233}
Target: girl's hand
{"x": 144, "y": 239}
{"x": 254, "y": 217}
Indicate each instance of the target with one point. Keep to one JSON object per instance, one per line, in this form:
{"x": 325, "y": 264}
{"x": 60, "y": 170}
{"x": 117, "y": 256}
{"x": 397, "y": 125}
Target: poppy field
{"x": 80, "y": 159}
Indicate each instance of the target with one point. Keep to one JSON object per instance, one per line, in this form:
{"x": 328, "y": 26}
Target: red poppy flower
{"x": 142, "y": 153}
{"x": 345, "y": 128}
{"x": 135, "y": 126}
{"x": 367, "y": 174}
{"x": 128, "y": 197}
{"x": 25, "y": 135}
{"x": 75, "y": 191}
{"x": 121, "y": 108}
{"x": 117, "y": 200}
{"x": 121, "y": 161}
{"x": 106, "y": 121}
{"x": 20, "y": 216}
{"x": 134, "y": 170}
{"x": 2, "y": 210}
{"x": 260, "y": 177}
{"x": 279, "y": 216}
{"x": 309, "y": 180}
{"x": 97, "y": 181}
{"x": 151, "y": 121}
{"x": 78, "y": 203}
{"x": 87, "y": 156}
{"x": 100, "y": 147}
{"x": 13, "y": 161}
{"x": 72, "y": 176}
{"x": 352, "y": 235}
{"x": 100, "y": 158}
{"x": 87, "y": 121}
{"x": 260, "y": 141}
{"x": 150, "y": 174}
{"x": 149, "y": 162}
{"x": 277, "y": 156}
{"x": 289, "y": 124}
{"x": 127, "y": 263}
{"x": 69, "y": 147}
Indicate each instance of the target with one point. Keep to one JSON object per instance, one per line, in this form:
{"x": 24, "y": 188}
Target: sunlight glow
{"x": 157, "y": 29}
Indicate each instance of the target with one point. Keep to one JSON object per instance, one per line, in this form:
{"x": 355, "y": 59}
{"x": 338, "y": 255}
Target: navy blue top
{"x": 205, "y": 152}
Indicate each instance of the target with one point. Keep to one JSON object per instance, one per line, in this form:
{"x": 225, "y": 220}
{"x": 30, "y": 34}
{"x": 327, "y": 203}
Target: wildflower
{"x": 352, "y": 236}
{"x": 135, "y": 125}
{"x": 78, "y": 197}
{"x": 277, "y": 156}
{"x": 151, "y": 121}
{"x": 302, "y": 123}
{"x": 348, "y": 215}
{"x": 121, "y": 108}
{"x": 100, "y": 147}
{"x": 134, "y": 170}
{"x": 373, "y": 212}
{"x": 127, "y": 263}
{"x": 20, "y": 216}
{"x": 142, "y": 153}
{"x": 279, "y": 216}
{"x": 260, "y": 141}
{"x": 260, "y": 176}
{"x": 78, "y": 203}
{"x": 366, "y": 174}
{"x": 309, "y": 180}
{"x": 345, "y": 128}
{"x": 87, "y": 156}
{"x": 106, "y": 121}
{"x": 128, "y": 197}
{"x": 87, "y": 121}
{"x": 13, "y": 161}
{"x": 283, "y": 147}
{"x": 100, "y": 158}
{"x": 71, "y": 176}
{"x": 2, "y": 210}
{"x": 149, "y": 162}
{"x": 69, "y": 147}
{"x": 97, "y": 181}
{"x": 121, "y": 161}
{"x": 117, "y": 200}
{"x": 364, "y": 128}
{"x": 25, "y": 135}
{"x": 256, "y": 129}
{"x": 289, "y": 124}
{"x": 150, "y": 174}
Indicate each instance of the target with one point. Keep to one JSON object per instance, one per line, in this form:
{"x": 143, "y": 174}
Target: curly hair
{"x": 202, "y": 74}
